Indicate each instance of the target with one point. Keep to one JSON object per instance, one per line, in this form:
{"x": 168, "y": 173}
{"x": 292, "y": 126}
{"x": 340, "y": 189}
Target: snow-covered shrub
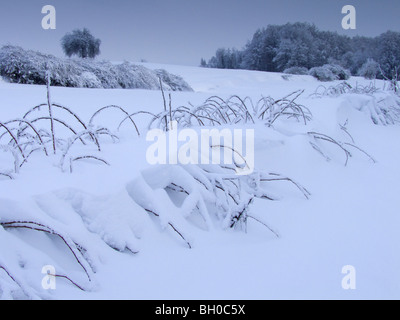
{"x": 296, "y": 70}
{"x": 369, "y": 70}
{"x": 339, "y": 71}
{"x": 30, "y": 67}
{"x": 135, "y": 76}
{"x": 21, "y": 66}
{"x": 330, "y": 72}
{"x": 176, "y": 83}
{"x": 102, "y": 70}
{"x": 322, "y": 74}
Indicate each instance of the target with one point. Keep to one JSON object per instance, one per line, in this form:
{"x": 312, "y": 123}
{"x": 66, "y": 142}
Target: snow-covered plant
{"x": 271, "y": 110}
{"x": 381, "y": 106}
{"x": 343, "y": 88}
{"x": 296, "y": 70}
{"x": 393, "y": 80}
{"x": 384, "y": 110}
{"x": 78, "y": 227}
{"x": 346, "y": 147}
{"x": 38, "y": 130}
{"x": 330, "y": 72}
{"x": 14, "y": 269}
{"x": 322, "y": 74}
{"x": 217, "y": 111}
{"x": 213, "y": 192}
{"x": 176, "y": 83}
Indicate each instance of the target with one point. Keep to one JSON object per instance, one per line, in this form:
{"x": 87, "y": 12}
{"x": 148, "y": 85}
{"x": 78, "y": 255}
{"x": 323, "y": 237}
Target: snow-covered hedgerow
{"x": 30, "y": 67}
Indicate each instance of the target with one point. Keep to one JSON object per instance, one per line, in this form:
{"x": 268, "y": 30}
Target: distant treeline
{"x": 301, "y": 45}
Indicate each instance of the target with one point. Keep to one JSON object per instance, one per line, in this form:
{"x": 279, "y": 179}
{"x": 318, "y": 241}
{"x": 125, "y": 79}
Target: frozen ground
{"x": 352, "y": 216}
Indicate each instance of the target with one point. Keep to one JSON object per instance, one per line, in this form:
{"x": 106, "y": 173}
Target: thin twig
{"x": 50, "y": 112}
{"x": 172, "y": 226}
{"x": 265, "y": 225}
{"x": 42, "y": 228}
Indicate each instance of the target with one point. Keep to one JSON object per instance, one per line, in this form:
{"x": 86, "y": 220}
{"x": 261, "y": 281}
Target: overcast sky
{"x": 180, "y": 31}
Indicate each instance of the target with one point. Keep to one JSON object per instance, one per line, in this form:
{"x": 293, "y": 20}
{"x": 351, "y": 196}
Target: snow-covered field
{"x": 351, "y": 217}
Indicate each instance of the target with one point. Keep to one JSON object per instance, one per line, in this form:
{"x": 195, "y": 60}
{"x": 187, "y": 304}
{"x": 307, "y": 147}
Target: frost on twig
{"x": 19, "y": 262}
{"x": 35, "y": 131}
{"x": 345, "y": 147}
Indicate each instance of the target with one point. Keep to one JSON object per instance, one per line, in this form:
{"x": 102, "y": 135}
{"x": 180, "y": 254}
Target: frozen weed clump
{"x": 216, "y": 111}
{"x": 345, "y": 147}
{"x": 211, "y": 192}
{"x": 41, "y": 129}
{"x": 344, "y": 88}
{"x": 382, "y": 107}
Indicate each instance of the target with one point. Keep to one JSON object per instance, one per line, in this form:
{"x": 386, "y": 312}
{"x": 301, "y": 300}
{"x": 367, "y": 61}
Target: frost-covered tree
{"x": 280, "y": 47}
{"x": 203, "y": 63}
{"x": 388, "y": 53}
{"x": 225, "y": 59}
{"x": 362, "y": 49}
{"x": 81, "y": 43}
{"x": 260, "y": 52}
{"x": 369, "y": 69}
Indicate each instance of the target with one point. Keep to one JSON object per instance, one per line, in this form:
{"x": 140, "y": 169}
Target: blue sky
{"x": 180, "y": 31}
